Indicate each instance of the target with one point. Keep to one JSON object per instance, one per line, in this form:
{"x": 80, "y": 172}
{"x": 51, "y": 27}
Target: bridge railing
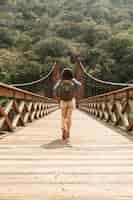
{"x": 19, "y": 107}
{"x": 115, "y": 107}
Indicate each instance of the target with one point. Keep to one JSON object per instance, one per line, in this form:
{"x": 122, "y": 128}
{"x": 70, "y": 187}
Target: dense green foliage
{"x": 35, "y": 32}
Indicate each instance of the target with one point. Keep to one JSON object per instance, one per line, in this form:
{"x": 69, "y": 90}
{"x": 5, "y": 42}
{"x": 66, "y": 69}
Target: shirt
{"x": 77, "y": 84}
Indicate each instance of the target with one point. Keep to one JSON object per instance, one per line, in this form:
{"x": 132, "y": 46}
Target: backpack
{"x": 66, "y": 90}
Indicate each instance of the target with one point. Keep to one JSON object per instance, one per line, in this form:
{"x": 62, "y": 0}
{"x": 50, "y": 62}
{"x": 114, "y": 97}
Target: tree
{"x": 119, "y": 46}
{"x": 8, "y": 62}
{"x": 7, "y": 38}
{"x": 54, "y": 47}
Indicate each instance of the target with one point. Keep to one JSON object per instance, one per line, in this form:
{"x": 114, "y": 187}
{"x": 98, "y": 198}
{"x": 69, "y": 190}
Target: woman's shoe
{"x": 68, "y": 134}
{"x": 64, "y": 136}
{"x": 67, "y": 140}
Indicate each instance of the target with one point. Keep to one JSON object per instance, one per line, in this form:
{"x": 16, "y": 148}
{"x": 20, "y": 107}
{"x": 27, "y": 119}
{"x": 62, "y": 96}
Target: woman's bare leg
{"x": 64, "y": 123}
{"x": 69, "y": 121}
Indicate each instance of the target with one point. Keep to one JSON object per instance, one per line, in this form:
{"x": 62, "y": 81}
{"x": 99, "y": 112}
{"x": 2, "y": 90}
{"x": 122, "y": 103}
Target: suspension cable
{"x": 37, "y": 81}
{"x": 104, "y": 82}
{"x": 95, "y": 85}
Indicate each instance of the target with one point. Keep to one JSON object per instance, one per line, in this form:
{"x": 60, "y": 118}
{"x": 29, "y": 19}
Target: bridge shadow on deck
{"x": 56, "y": 144}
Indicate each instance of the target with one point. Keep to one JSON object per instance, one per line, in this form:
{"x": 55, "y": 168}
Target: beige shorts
{"x": 66, "y": 104}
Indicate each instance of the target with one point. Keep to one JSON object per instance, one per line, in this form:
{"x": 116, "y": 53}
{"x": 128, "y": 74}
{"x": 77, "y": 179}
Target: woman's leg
{"x": 63, "y": 120}
{"x": 69, "y": 118}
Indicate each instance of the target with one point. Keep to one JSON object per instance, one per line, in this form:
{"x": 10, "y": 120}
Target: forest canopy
{"x": 33, "y": 33}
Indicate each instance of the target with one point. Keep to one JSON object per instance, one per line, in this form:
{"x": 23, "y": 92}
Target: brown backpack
{"x": 66, "y": 90}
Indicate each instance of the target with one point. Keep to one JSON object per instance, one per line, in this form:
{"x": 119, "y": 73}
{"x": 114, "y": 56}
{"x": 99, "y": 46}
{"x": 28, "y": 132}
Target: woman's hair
{"x": 67, "y": 74}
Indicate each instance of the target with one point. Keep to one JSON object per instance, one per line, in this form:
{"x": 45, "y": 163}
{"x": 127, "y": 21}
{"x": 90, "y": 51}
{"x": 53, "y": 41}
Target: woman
{"x": 65, "y": 91}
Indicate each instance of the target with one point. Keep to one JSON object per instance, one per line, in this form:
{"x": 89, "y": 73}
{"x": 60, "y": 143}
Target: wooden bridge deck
{"x": 96, "y": 164}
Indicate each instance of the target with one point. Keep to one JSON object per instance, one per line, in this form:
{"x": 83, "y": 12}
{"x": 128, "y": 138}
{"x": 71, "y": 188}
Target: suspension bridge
{"x": 96, "y": 164}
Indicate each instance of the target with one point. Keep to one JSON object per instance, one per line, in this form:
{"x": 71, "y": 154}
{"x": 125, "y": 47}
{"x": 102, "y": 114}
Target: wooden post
{"x": 80, "y": 77}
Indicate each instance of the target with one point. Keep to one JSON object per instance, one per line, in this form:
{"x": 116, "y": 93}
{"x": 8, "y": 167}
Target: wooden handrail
{"x": 22, "y": 107}
{"x": 115, "y": 107}
{"x": 124, "y": 91}
{"x": 13, "y": 92}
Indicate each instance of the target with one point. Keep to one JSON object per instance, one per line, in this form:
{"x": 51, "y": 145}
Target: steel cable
{"x": 104, "y": 82}
{"x": 37, "y": 81}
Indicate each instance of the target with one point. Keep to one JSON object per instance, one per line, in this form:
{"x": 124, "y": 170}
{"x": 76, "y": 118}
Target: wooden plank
{"x": 96, "y": 164}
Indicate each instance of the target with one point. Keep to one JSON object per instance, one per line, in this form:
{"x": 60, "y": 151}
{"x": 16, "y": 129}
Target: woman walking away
{"x": 65, "y": 91}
